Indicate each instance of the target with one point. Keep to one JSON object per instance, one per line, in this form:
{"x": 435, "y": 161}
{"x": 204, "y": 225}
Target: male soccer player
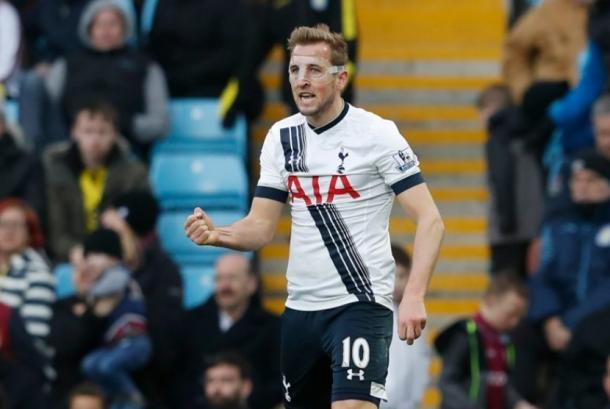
{"x": 341, "y": 167}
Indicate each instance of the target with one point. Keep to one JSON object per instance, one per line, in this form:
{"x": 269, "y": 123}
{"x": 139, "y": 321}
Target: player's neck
{"x": 328, "y": 116}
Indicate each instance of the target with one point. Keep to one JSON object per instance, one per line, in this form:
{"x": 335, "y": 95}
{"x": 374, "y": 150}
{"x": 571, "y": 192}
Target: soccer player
{"x": 341, "y": 166}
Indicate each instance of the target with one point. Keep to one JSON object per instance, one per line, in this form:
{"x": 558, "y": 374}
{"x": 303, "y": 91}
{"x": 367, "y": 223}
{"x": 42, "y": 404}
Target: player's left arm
{"x": 417, "y": 202}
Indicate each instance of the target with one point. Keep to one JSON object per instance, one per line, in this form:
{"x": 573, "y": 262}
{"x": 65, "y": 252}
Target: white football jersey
{"x": 341, "y": 180}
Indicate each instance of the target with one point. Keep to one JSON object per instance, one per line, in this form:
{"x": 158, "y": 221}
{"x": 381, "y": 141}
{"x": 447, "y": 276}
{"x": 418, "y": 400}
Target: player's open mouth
{"x": 306, "y": 96}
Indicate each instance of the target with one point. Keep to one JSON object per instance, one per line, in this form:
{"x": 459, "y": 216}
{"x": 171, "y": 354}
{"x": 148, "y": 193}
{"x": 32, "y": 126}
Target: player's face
{"x": 315, "y": 88}
{"x": 224, "y": 387}
{"x": 506, "y": 310}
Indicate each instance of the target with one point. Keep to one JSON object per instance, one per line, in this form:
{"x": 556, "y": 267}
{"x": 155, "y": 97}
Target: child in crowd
{"x": 477, "y": 354}
{"x": 115, "y": 296}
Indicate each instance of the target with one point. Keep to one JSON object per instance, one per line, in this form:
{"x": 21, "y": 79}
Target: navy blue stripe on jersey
{"x": 342, "y": 251}
{"x": 271, "y": 193}
{"x": 407, "y": 183}
{"x": 293, "y": 144}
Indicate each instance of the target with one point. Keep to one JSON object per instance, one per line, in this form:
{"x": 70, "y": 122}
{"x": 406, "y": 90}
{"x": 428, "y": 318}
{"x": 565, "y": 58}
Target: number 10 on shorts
{"x": 359, "y": 352}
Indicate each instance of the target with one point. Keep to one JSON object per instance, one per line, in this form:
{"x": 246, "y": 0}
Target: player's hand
{"x": 557, "y": 335}
{"x": 411, "y": 318}
{"x": 200, "y": 229}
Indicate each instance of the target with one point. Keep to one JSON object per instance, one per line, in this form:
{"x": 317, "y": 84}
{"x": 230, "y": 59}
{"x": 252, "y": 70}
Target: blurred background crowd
{"x": 117, "y": 117}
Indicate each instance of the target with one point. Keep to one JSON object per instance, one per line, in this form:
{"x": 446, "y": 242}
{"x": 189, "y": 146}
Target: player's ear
{"x": 342, "y": 80}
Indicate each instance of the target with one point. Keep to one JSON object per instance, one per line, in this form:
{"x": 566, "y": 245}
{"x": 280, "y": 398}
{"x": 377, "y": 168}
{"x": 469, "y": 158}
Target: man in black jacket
{"x": 233, "y": 320}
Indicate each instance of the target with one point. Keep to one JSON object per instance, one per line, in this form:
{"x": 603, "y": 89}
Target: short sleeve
{"x": 270, "y": 183}
{"x": 396, "y": 162}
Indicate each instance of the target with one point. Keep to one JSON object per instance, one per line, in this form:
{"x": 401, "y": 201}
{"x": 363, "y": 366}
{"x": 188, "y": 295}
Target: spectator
{"x": 233, "y": 320}
{"x": 83, "y": 175}
{"x": 477, "y": 354}
{"x": 109, "y": 70}
{"x": 574, "y": 281}
{"x": 87, "y": 396}
{"x": 134, "y": 215}
{"x": 584, "y": 363}
{"x": 572, "y": 114}
{"x": 227, "y": 382}
{"x": 544, "y": 44}
{"x": 27, "y": 284}
{"x": 515, "y": 183}
{"x": 50, "y": 29}
{"x": 75, "y": 331}
{"x": 21, "y": 369}
{"x": 115, "y": 296}
{"x": 10, "y": 38}
{"x": 20, "y": 171}
{"x": 209, "y": 49}
{"x": 408, "y": 371}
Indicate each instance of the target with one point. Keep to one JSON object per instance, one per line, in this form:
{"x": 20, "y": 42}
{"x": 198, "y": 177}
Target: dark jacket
{"x": 21, "y": 366}
{"x": 161, "y": 284}
{"x": 51, "y": 28}
{"x": 75, "y": 331}
{"x": 573, "y": 279}
{"x": 66, "y": 214}
{"x": 198, "y": 44}
{"x": 21, "y": 174}
{"x": 462, "y": 380}
{"x": 584, "y": 363}
{"x": 256, "y": 335}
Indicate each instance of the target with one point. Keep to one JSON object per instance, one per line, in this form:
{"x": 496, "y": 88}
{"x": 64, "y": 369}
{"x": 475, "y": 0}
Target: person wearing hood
{"x": 82, "y": 177}
{"x": 573, "y": 280}
{"x": 109, "y": 70}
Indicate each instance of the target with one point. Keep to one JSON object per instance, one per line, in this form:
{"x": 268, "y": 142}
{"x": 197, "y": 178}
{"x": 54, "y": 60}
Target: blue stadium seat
{"x": 186, "y": 180}
{"x": 198, "y": 283}
{"x": 11, "y": 111}
{"x": 63, "y": 276}
{"x": 196, "y": 125}
{"x": 170, "y": 228}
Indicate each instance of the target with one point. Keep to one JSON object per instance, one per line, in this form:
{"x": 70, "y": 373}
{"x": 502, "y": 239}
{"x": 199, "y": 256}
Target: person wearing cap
{"x": 133, "y": 215}
{"x": 115, "y": 296}
{"x": 108, "y": 69}
{"x": 573, "y": 279}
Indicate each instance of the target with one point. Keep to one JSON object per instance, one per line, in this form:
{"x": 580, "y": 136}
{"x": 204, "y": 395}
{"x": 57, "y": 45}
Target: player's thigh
{"x": 306, "y": 374}
{"x": 358, "y": 342}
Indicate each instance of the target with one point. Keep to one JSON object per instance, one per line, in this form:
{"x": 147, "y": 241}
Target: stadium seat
{"x": 64, "y": 283}
{"x": 198, "y": 283}
{"x": 170, "y": 228}
{"x": 196, "y": 125}
{"x": 11, "y": 111}
{"x": 186, "y": 180}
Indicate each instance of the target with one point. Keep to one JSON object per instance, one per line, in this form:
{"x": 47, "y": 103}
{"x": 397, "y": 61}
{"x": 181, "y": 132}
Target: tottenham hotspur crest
{"x": 342, "y": 155}
{"x": 404, "y": 159}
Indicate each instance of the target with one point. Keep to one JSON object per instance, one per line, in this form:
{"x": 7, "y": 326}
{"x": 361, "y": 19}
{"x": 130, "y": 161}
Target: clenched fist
{"x": 200, "y": 229}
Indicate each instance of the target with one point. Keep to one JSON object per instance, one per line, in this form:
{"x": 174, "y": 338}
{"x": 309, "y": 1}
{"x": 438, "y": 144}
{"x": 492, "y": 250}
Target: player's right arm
{"x": 250, "y": 233}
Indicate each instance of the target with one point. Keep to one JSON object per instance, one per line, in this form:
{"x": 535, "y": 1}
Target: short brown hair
{"x": 320, "y": 34}
{"x": 504, "y": 282}
{"x": 401, "y": 256}
{"x": 97, "y": 108}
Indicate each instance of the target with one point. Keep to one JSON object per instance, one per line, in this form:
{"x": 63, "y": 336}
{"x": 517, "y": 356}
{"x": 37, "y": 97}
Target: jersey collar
{"x": 332, "y": 123}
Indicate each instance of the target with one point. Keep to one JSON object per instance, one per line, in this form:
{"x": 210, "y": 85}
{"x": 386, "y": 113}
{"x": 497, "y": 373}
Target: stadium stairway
{"x": 422, "y": 64}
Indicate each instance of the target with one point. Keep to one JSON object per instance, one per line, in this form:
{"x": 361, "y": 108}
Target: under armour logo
{"x": 286, "y": 386}
{"x": 342, "y": 155}
{"x": 351, "y": 374}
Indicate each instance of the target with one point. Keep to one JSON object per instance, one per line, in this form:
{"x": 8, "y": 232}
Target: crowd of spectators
{"x": 548, "y": 157}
